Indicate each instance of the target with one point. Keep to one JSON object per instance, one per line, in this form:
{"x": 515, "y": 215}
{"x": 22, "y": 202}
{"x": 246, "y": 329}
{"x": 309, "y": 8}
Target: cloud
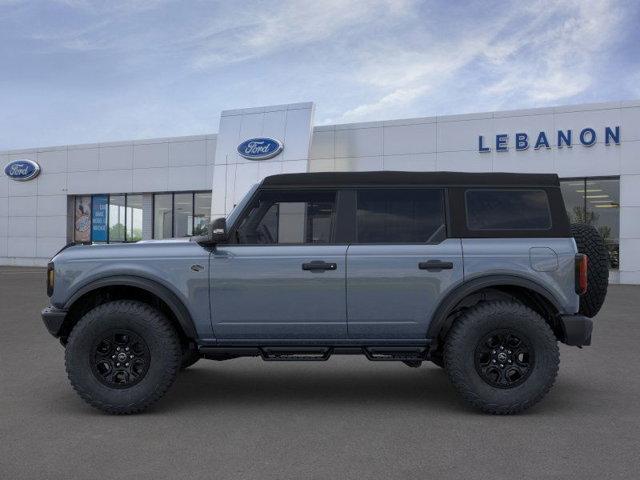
{"x": 542, "y": 52}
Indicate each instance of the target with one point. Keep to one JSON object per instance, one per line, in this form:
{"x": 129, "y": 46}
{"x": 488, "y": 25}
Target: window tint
{"x": 508, "y": 210}
{"x": 289, "y": 217}
{"x": 400, "y": 216}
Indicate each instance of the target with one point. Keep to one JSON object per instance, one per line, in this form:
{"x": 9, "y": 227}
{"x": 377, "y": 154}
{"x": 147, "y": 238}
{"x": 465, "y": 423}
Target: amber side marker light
{"x": 582, "y": 262}
{"x": 51, "y": 278}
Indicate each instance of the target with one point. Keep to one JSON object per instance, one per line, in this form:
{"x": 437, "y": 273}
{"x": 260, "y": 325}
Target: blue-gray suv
{"x": 481, "y": 274}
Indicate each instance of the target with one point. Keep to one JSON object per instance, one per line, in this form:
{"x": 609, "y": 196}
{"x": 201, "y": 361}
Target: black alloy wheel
{"x": 504, "y": 358}
{"x": 120, "y": 359}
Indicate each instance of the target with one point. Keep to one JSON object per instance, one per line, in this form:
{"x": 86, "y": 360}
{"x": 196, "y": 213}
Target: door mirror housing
{"x": 216, "y": 233}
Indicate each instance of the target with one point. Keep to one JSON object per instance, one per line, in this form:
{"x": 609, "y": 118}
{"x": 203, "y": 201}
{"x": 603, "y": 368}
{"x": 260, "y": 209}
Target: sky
{"x": 79, "y": 71}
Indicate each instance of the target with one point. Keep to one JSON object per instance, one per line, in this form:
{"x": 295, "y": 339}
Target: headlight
{"x": 51, "y": 278}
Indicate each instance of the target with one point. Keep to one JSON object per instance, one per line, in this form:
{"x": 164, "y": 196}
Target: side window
{"x": 400, "y": 216}
{"x": 505, "y": 209}
{"x": 279, "y": 217}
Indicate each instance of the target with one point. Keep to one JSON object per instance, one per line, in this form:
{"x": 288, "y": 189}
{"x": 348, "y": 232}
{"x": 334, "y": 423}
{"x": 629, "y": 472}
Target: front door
{"x": 281, "y": 277}
{"x": 401, "y": 263}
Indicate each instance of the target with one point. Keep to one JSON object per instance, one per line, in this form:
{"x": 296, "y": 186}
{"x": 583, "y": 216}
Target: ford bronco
{"x": 481, "y": 274}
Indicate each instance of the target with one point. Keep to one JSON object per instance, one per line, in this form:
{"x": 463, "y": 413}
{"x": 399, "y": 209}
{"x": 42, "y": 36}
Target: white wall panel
{"x": 420, "y": 162}
{"x": 52, "y": 161}
{"x": 358, "y": 142}
{"x": 150, "y": 179}
{"x": 82, "y": 159}
{"x": 117, "y": 157}
{"x": 22, "y": 227}
{"x": 188, "y": 153}
{"x": 322, "y": 145}
{"x": 630, "y": 124}
{"x": 151, "y": 155}
{"x": 52, "y": 226}
{"x": 46, "y": 247}
{"x": 52, "y": 183}
{"x": 21, "y": 246}
{"x": 630, "y": 156}
{"x": 420, "y": 138}
{"x": 21, "y": 207}
{"x": 51, "y": 205}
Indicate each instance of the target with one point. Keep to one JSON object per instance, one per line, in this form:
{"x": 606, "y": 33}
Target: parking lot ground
{"x": 346, "y": 418}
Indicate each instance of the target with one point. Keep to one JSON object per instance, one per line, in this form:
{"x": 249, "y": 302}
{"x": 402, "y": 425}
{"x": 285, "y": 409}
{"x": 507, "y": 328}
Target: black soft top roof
{"x": 413, "y": 178}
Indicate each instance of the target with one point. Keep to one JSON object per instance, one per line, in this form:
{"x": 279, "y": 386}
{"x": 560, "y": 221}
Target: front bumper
{"x": 576, "y": 330}
{"x": 53, "y": 319}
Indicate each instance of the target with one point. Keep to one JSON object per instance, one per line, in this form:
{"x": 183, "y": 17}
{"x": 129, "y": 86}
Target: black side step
{"x": 396, "y": 354}
{"x": 305, "y": 354}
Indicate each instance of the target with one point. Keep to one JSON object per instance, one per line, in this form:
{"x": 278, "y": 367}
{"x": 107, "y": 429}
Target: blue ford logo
{"x": 22, "y": 170}
{"x": 260, "y": 148}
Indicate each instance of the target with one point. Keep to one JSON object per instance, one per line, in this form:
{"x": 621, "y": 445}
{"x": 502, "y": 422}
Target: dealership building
{"x": 171, "y": 187}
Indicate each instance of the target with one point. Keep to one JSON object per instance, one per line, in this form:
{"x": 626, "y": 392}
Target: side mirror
{"x": 218, "y": 231}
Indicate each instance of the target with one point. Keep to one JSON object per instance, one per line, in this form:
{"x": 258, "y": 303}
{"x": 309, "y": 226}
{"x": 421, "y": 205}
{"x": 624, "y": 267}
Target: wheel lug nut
{"x": 501, "y": 366}
{"x": 130, "y": 356}
{"x": 501, "y": 348}
{"x": 509, "y": 352}
{"x": 509, "y": 361}
{"x": 118, "y": 349}
{"x": 493, "y": 351}
{"x": 113, "y": 356}
{"x": 494, "y": 361}
{"x": 127, "y": 349}
{"x": 117, "y": 364}
{"x": 126, "y": 364}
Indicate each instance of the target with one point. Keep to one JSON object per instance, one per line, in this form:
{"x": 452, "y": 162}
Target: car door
{"x": 400, "y": 264}
{"x": 281, "y": 277}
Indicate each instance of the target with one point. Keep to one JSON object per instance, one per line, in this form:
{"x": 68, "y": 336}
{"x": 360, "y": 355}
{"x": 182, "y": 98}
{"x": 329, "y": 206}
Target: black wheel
{"x": 590, "y": 242}
{"x": 122, "y": 356}
{"x": 502, "y": 357}
{"x": 189, "y": 357}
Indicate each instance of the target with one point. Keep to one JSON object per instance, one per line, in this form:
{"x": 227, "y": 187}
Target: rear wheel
{"x": 122, "y": 356}
{"x": 502, "y": 357}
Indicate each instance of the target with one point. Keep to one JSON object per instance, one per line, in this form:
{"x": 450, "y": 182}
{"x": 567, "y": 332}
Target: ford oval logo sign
{"x": 22, "y": 170}
{"x": 260, "y": 148}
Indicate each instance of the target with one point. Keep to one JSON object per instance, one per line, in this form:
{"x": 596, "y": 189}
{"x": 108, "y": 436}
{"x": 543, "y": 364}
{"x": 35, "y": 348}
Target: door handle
{"x": 435, "y": 265}
{"x": 319, "y": 266}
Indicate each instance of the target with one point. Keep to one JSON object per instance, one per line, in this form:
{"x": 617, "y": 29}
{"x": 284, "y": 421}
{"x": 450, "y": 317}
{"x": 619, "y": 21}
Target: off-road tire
{"x": 590, "y": 242}
{"x": 149, "y": 324}
{"x": 468, "y": 332}
{"x": 189, "y": 357}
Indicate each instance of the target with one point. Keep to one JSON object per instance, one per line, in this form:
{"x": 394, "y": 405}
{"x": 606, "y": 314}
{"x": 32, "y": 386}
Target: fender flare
{"x": 467, "y": 288}
{"x": 176, "y": 306}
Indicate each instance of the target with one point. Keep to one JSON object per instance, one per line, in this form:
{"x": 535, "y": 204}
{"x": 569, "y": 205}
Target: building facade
{"x": 172, "y": 187}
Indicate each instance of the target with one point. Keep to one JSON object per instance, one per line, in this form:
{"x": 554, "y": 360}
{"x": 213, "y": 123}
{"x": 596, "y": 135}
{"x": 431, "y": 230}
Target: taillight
{"x": 51, "y": 278}
{"x": 581, "y": 273}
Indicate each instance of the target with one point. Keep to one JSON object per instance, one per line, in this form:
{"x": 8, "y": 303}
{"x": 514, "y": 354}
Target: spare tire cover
{"x": 591, "y": 243}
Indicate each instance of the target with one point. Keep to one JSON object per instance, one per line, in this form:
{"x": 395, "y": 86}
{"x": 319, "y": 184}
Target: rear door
{"x": 400, "y": 264}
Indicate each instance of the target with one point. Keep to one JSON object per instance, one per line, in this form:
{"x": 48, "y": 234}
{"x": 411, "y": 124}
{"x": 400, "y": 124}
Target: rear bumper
{"x": 576, "y": 330}
{"x": 53, "y": 319}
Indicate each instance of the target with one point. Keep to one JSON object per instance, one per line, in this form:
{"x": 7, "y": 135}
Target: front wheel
{"x": 122, "y": 356}
{"x": 502, "y": 357}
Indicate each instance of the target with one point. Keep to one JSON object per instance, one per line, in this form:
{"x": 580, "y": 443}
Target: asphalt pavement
{"x": 346, "y": 418}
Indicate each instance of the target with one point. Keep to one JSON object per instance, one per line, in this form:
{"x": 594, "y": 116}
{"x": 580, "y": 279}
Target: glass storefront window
{"x": 182, "y": 214}
{"x": 134, "y": 218}
{"x": 596, "y": 202}
{"x": 117, "y": 218}
{"x": 201, "y": 213}
{"x": 162, "y": 215}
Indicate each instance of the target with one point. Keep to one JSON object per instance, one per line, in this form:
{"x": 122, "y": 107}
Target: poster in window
{"x": 82, "y": 219}
{"x": 99, "y": 209}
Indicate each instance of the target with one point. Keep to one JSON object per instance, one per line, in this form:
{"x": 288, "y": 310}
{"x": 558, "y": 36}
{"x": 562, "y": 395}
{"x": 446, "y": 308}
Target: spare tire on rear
{"x": 590, "y": 242}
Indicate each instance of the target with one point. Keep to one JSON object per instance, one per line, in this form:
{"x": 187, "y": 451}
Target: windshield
{"x": 233, "y": 214}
